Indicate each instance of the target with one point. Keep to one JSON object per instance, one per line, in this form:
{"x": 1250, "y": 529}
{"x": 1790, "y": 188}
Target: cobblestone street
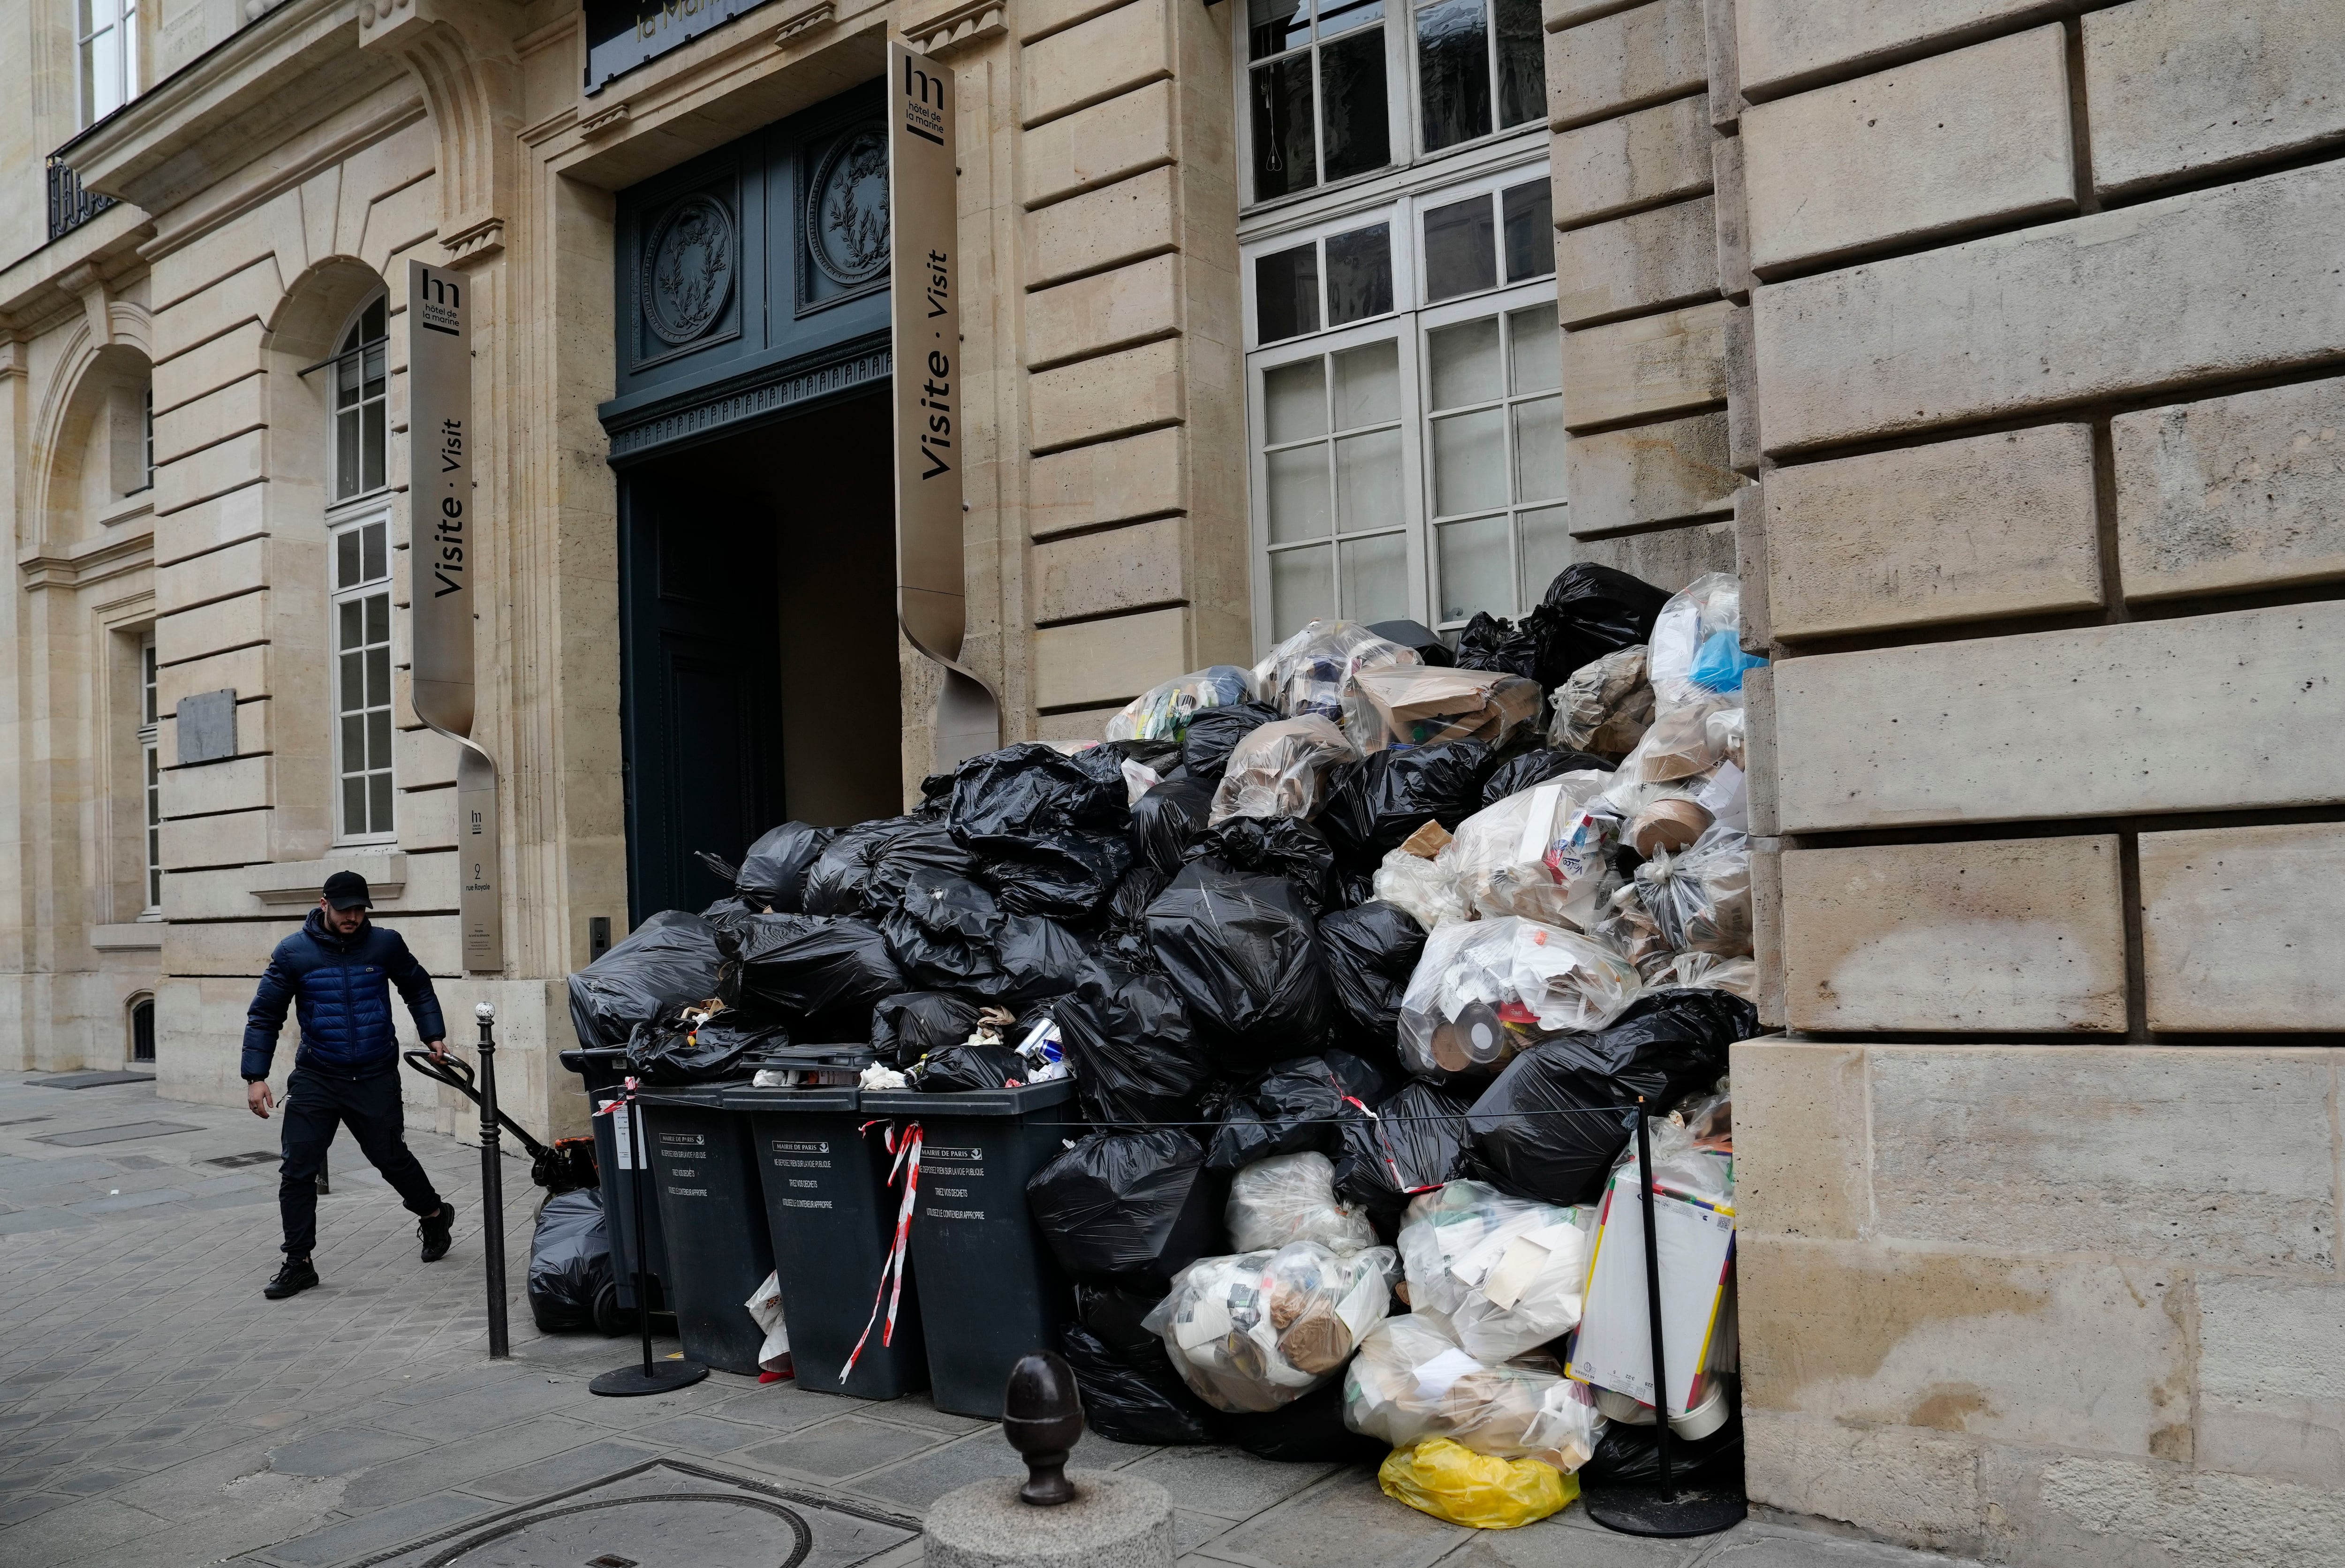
{"x": 156, "y": 1412}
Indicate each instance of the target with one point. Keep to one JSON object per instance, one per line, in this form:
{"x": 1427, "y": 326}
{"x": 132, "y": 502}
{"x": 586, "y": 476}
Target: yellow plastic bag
{"x": 1440, "y": 1478}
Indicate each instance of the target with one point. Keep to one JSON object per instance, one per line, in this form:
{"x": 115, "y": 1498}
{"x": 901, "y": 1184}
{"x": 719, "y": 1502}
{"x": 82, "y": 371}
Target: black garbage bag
{"x": 671, "y": 1051}
{"x": 1629, "y": 1455}
{"x": 569, "y": 1261}
{"x": 1286, "y": 846}
{"x": 674, "y": 958}
{"x": 726, "y": 915}
{"x": 1590, "y": 611}
{"x": 1242, "y": 951}
{"x": 1123, "y": 935}
{"x": 1533, "y": 768}
{"x": 1129, "y": 1042}
{"x": 1067, "y": 879}
{"x": 1370, "y": 953}
{"x": 825, "y": 973}
{"x": 1493, "y": 642}
{"x": 864, "y": 871}
{"x": 1419, "y": 638}
{"x": 1050, "y": 829}
{"x": 1213, "y": 733}
{"x": 1114, "y": 1314}
{"x": 1310, "y": 1430}
{"x": 773, "y": 873}
{"x": 1376, "y": 802}
{"x": 1131, "y": 1207}
{"x": 1297, "y": 1105}
{"x": 1123, "y": 1404}
{"x": 1418, "y": 1140}
{"x": 952, "y": 935}
{"x": 1167, "y": 819}
{"x": 958, "y": 1068}
{"x": 906, "y": 1027}
{"x": 1667, "y": 1044}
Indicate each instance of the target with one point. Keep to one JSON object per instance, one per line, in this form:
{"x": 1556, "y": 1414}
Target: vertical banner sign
{"x": 444, "y": 553}
{"x": 925, "y": 284}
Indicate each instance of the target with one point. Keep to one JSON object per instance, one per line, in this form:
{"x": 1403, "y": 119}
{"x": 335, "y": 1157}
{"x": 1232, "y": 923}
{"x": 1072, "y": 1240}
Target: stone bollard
{"x": 1054, "y": 1518}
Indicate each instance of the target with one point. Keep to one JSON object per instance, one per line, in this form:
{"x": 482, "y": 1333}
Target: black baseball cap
{"x": 348, "y": 891}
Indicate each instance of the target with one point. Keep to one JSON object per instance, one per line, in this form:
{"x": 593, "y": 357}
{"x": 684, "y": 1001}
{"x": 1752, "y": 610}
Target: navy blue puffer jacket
{"x": 340, "y": 987}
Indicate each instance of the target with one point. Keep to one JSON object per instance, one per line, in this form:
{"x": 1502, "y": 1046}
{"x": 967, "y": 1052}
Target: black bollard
{"x": 1042, "y": 1417}
{"x": 493, "y": 1184}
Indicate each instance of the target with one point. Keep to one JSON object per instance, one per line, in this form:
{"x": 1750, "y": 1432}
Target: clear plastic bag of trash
{"x": 1411, "y": 1380}
{"x": 1292, "y": 1197}
{"x": 764, "y": 1305}
{"x": 1605, "y": 707}
{"x": 1257, "y": 1330}
{"x": 1502, "y": 859}
{"x": 1486, "y": 990}
{"x": 1506, "y": 1273}
{"x": 1162, "y": 712}
{"x": 1280, "y": 770}
{"x": 1418, "y": 704}
{"x": 1693, "y": 1149}
{"x": 1418, "y": 882}
{"x": 1308, "y": 672}
{"x": 1697, "y": 647}
{"x": 1454, "y": 1483}
{"x": 1735, "y": 976}
{"x": 1701, "y": 899}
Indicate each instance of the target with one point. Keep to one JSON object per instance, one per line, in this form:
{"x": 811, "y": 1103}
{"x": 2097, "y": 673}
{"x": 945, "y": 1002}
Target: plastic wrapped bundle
{"x": 863, "y": 872}
{"x": 772, "y": 878}
{"x": 1421, "y": 885}
{"x": 1375, "y": 804}
{"x": 1506, "y": 1275}
{"x": 1370, "y": 953}
{"x": 1292, "y": 1197}
{"x": 1309, "y": 671}
{"x": 1697, "y": 645}
{"x": 672, "y": 959}
{"x": 825, "y": 974}
{"x": 1736, "y": 976}
{"x": 1298, "y": 1104}
{"x": 1548, "y": 1128}
{"x": 1487, "y": 990}
{"x": 1417, "y": 1139}
{"x": 1128, "y": 1207}
{"x": 1700, "y": 899}
{"x": 1452, "y": 1482}
{"x": 569, "y": 1261}
{"x": 1259, "y": 1330}
{"x": 1128, "y": 1041}
{"x": 1421, "y": 705}
{"x": 1242, "y": 951}
{"x": 1411, "y": 1382}
{"x": 1502, "y": 858}
{"x": 1162, "y": 712}
{"x": 1605, "y": 707}
{"x": 1628, "y": 928}
{"x": 1280, "y": 770}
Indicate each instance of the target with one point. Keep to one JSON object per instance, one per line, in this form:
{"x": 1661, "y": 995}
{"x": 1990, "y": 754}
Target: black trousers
{"x": 369, "y": 1105}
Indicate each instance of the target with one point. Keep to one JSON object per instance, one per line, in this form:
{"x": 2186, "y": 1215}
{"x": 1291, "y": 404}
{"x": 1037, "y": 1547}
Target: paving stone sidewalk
{"x": 156, "y": 1412}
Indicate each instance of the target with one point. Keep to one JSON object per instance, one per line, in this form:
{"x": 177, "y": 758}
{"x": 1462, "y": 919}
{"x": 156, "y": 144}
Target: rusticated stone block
{"x": 1646, "y": 261}
{"x": 1647, "y": 368}
{"x": 1111, "y": 395}
{"x": 1782, "y": 46}
{"x": 1095, "y": 60}
{"x": 1666, "y": 557}
{"x": 1800, "y": 1168}
{"x": 1642, "y": 160}
{"x": 1098, "y": 145}
{"x": 1625, "y": 61}
{"x": 1107, "y": 482}
{"x": 2244, "y": 928}
{"x": 1649, "y": 473}
{"x": 1093, "y": 663}
{"x": 1100, "y": 228}
{"x": 1104, "y": 312}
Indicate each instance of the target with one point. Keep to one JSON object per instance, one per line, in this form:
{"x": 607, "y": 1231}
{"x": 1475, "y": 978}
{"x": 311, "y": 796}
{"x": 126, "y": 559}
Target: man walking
{"x": 338, "y": 971}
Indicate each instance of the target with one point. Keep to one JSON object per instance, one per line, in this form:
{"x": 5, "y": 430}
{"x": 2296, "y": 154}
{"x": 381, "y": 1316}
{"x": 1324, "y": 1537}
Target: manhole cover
{"x": 124, "y": 1134}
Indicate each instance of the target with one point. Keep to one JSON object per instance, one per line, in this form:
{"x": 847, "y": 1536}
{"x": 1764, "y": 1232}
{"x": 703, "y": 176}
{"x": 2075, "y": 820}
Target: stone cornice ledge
{"x": 941, "y": 29}
{"x": 298, "y": 881}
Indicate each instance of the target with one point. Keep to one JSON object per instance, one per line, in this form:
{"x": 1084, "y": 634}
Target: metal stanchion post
{"x": 493, "y": 1184}
{"x": 652, "y": 1377}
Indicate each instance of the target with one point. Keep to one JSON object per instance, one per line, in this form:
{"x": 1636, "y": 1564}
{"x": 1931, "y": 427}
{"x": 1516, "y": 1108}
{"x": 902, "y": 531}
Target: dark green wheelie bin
{"x": 993, "y": 1289}
{"x": 713, "y": 1211}
{"x": 832, "y": 1217}
{"x": 604, "y": 1070}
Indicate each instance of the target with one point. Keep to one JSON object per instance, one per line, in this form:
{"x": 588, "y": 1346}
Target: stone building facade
{"x": 1994, "y": 343}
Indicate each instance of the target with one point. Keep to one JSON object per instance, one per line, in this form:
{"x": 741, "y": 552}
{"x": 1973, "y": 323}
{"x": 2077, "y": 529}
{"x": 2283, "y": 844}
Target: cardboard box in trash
{"x": 1422, "y": 704}
{"x": 1614, "y": 1346}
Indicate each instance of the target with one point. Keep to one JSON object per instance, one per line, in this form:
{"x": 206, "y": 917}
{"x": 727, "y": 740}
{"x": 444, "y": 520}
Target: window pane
{"x": 1476, "y": 572}
{"x": 379, "y": 793}
{"x": 377, "y": 677}
{"x": 1453, "y": 72}
{"x": 1367, "y": 482}
{"x": 378, "y": 726}
{"x": 345, "y": 381}
{"x": 378, "y": 618}
{"x": 1367, "y": 386}
{"x": 353, "y": 681}
{"x": 371, "y": 423}
{"x": 1274, "y": 26}
{"x": 1300, "y": 591}
{"x": 1464, "y": 362}
{"x": 1530, "y": 230}
{"x": 1351, "y": 97}
{"x": 1375, "y": 578}
{"x": 1298, "y": 495}
{"x": 1343, "y": 16}
{"x": 1294, "y": 400}
{"x": 1283, "y": 155}
{"x": 354, "y": 814}
{"x": 1538, "y": 364}
{"x": 346, "y": 454}
{"x": 1459, "y": 257}
{"x": 375, "y": 373}
{"x": 1546, "y": 549}
{"x": 354, "y": 758}
{"x": 1359, "y": 274}
{"x": 1470, "y": 461}
{"x": 1538, "y": 450}
{"x": 352, "y": 624}
{"x": 105, "y": 73}
{"x": 1522, "y": 64}
{"x": 371, "y": 324}
{"x": 377, "y": 546}
{"x": 1287, "y": 293}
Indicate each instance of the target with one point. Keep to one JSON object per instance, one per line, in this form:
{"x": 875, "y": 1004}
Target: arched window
{"x": 358, "y": 525}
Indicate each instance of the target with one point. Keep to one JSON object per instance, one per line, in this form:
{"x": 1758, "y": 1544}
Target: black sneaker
{"x": 435, "y": 1229}
{"x": 295, "y": 1276}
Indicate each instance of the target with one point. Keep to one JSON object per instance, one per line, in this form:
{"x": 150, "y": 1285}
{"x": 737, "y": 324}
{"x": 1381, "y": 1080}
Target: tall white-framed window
{"x": 151, "y": 788}
{"x": 106, "y": 51}
{"x": 358, "y": 525}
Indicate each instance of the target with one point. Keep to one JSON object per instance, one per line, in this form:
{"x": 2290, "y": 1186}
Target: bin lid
{"x": 1023, "y": 1100}
{"x": 805, "y": 1101}
{"x": 702, "y": 1096}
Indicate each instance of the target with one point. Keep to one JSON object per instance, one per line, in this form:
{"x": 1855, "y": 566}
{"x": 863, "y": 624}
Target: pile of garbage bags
{"x": 1361, "y": 961}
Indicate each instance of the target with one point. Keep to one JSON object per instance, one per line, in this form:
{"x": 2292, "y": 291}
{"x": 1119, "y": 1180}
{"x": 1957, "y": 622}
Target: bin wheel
{"x": 606, "y": 1310}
